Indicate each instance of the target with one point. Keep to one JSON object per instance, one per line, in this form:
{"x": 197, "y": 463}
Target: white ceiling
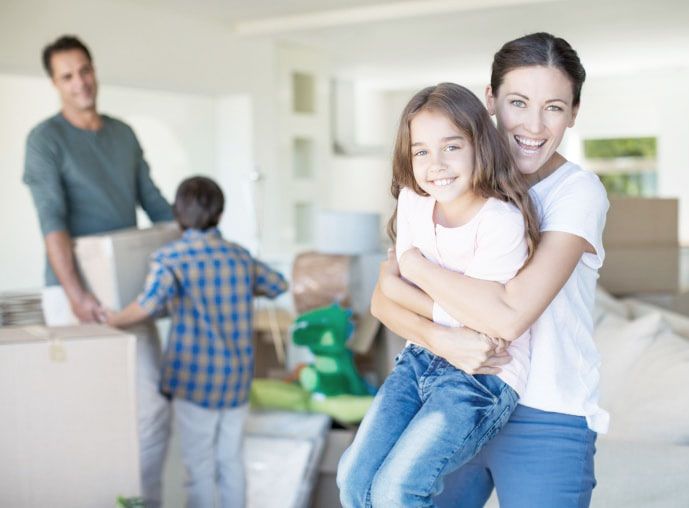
{"x": 392, "y": 43}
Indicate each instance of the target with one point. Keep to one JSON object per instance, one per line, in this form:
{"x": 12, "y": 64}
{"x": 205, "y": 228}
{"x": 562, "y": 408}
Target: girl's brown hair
{"x": 495, "y": 174}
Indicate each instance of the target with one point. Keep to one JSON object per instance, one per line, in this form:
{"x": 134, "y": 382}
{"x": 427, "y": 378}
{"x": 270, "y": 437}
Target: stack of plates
{"x": 20, "y": 308}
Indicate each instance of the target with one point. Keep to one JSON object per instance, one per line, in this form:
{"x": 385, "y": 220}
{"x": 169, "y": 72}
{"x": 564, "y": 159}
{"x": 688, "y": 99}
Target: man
{"x": 87, "y": 174}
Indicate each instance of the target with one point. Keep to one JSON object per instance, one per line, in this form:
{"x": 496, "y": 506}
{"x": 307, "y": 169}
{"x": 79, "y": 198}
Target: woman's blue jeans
{"x": 538, "y": 460}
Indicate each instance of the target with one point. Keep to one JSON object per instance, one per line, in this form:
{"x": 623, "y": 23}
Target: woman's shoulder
{"x": 572, "y": 181}
{"x": 578, "y": 178}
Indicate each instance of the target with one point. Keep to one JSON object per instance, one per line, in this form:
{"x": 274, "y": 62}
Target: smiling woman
{"x": 534, "y": 124}
{"x": 543, "y": 456}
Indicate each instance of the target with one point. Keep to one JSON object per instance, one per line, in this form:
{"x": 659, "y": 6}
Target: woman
{"x": 544, "y": 455}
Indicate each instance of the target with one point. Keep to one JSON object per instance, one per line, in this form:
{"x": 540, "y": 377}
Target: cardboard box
{"x": 630, "y": 270}
{"x": 650, "y": 222}
{"x": 642, "y": 246}
{"x": 68, "y": 432}
{"x": 114, "y": 265}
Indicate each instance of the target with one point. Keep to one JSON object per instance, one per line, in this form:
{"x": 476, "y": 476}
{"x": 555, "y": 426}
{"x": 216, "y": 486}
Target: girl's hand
{"x": 470, "y": 351}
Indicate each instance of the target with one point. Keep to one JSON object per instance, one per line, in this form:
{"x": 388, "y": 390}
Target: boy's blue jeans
{"x": 427, "y": 420}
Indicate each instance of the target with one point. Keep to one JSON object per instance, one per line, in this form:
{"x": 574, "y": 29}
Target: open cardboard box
{"x": 68, "y": 432}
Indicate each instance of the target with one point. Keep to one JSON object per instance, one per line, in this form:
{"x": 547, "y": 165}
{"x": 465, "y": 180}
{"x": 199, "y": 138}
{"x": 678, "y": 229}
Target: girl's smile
{"x": 443, "y": 165}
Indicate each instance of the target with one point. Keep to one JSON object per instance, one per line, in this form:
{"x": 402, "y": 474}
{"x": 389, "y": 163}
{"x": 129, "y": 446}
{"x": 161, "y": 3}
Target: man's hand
{"x": 86, "y": 308}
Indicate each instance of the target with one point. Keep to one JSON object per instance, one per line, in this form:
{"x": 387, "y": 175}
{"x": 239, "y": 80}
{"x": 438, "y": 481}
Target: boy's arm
{"x": 131, "y": 314}
{"x": 160, "y": 286}
{"x": 268, "y": 282}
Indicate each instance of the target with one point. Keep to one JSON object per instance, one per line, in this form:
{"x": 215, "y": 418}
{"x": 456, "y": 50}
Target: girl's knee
{"x": 353, "y": 487}
{"x": 387, "y": 491}
{"x": 353, "y": 493}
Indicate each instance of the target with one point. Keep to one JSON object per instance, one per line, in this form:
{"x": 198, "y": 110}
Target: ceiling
{"x": 389, "y": 41}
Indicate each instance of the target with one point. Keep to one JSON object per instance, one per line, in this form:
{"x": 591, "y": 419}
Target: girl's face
{"x": 442, "y": 157}
{"x": 533, "y": 108}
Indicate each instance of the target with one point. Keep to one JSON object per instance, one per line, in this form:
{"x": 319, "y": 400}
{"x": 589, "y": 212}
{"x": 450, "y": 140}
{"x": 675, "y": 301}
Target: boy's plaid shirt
{"x": 208, "y": 285}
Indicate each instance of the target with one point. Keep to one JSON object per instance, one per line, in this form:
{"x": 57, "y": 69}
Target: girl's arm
{"x": 495, "y": 309}
{"x": 403, "y": 293}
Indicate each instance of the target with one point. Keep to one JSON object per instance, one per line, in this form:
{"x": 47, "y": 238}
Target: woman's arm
{"x": 466, "y": 349}
{"x": 495, "y": 309}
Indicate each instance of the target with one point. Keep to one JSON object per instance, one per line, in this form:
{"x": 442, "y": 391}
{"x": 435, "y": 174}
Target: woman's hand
{"x": 470, "y": 351}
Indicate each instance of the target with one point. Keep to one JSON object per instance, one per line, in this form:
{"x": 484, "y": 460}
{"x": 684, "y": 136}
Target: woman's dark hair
{"x": 494, "y": 175}
{"x": 199, "y": 202}
{"x": 64, "y": 43}
{"x": 539, "y": 49}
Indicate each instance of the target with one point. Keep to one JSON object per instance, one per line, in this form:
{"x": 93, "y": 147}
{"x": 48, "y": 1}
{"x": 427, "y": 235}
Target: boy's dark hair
{"x": 199, "y": 202}
{"x": 63, "y": 43}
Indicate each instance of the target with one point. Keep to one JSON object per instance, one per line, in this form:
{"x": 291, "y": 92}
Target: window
{"x": 626, "y": 166}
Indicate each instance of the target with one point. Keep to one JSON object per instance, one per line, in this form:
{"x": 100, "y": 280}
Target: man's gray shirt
{"x": 87, "y": 182}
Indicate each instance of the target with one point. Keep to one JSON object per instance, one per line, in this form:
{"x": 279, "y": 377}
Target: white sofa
{"x": 643, "y": 461}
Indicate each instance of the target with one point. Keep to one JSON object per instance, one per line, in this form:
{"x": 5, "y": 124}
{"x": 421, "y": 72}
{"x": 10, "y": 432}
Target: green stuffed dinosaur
{"x": 325, "y": 332}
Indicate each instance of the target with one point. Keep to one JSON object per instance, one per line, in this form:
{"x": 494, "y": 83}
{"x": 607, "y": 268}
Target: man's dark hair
{"x": 199, "y": 202}
{"x": 63, "y": 43}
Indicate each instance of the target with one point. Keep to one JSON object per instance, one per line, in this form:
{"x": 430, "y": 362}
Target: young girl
{"x": 464, "y": 206}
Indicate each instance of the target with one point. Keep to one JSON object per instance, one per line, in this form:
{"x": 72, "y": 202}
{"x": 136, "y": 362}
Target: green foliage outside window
{"x": 620, "y": 147}
{"x": 630, "y": 184}
{"x": 635, "y": 179}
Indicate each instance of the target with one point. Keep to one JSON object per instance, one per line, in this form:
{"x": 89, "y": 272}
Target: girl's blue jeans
{"x": 427, "y": 420}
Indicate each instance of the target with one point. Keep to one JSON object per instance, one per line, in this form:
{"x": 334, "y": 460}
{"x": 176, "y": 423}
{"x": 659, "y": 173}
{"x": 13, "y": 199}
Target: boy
{"x": 208, "y": 284}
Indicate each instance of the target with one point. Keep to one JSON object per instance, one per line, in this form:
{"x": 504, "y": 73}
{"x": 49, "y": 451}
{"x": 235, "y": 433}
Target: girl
{"x": 463, "y": 205}
{"x": 544, "y": 455}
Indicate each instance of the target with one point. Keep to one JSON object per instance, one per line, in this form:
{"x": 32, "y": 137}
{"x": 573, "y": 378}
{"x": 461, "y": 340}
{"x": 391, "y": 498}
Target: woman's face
{"x": 533, "y": 107}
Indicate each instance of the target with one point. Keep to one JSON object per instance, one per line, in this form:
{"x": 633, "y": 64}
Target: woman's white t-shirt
{"x": 564, "y": 372}
{"x": 490, "y": 246}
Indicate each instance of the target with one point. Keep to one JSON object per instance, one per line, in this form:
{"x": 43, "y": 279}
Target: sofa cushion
{"x": 633, "y": 474}
{"x": 621, "y": 343}
{"x": 606, "y": 304}
{"x": 652, "y": 404}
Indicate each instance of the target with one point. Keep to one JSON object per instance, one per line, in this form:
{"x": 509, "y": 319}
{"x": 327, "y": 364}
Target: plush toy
{"x": 325, "y": 332}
